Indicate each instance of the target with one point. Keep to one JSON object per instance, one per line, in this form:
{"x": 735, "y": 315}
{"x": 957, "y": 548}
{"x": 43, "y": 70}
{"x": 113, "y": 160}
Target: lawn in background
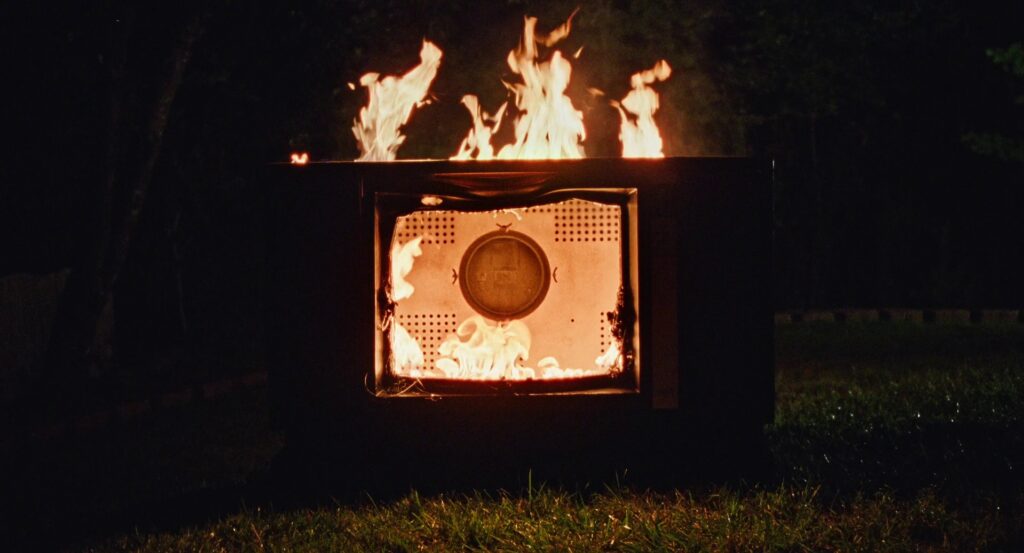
{"x": 888, "y": 436}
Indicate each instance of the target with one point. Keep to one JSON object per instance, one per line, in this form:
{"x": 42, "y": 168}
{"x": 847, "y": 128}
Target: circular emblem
{"x": 504, "y": 275}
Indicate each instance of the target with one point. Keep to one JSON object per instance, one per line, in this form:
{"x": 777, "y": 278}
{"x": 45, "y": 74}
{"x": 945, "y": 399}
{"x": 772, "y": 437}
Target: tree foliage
{"x": 1000, "y": 145}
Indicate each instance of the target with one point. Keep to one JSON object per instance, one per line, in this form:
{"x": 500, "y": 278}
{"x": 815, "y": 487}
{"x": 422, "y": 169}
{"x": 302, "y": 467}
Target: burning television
{"x": 487, "y": 295}
{"x": 518, "y": 305}
{"x": 593, "y": 312}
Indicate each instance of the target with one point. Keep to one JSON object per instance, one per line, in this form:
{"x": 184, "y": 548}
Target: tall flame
{"x": 484, "y": 126}
{"x": 392, "y": 100}
{"x": 548, "y": 126}
{"x": 639, "y": 134}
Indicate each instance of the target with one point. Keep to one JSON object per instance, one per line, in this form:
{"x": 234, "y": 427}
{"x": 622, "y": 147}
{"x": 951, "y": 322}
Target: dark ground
{"x": 889, "y": 436}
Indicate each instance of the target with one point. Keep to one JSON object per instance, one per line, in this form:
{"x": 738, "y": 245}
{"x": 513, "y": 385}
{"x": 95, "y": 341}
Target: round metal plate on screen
{"x": 504, "y": 275}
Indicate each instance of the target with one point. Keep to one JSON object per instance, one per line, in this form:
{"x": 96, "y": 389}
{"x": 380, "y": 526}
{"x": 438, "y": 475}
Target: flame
{"x": 300, "y": 158}
{"x": 484, "y": 126}
{"x": 639, "y": 134}
{"x": 391, "y": 102}
{"x": 480, "y": 350}
{"x": 402, "y": 258}
{"x": 407, "y": 357}
{"x": 405, "y": 351}
{"x": 548, "y": 126}
{"x": 611, "y": 360}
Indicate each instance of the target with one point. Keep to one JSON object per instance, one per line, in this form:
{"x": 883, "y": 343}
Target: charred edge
{"x": 386, "y": 307}
{"x": 622, "y": 322}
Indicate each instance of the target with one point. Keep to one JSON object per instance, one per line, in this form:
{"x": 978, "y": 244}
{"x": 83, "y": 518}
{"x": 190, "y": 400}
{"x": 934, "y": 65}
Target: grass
{"x": 782, "y": 519}
{"x": 889, "y": 437}
{"x": 901, "y": 406}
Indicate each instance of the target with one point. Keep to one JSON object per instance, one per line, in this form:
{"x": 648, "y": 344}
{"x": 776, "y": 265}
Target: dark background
{"x": 895, "y": 126}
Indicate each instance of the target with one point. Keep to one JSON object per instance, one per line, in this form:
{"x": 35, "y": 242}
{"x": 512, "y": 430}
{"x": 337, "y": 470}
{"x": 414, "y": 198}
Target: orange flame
{"x": 405, "y": 351}
{"x": 406, "y": 354}
{"x": 480, "y": 350}
{"x": 403, "y": 257}
{"x": 484, "y": 126}
{"x": 391, "y": 102}
{"x": 611, "y": 360}
{"x": 639, "y": 133}
{"x": 548, "y": 126}
{"x": 300, "y": 159}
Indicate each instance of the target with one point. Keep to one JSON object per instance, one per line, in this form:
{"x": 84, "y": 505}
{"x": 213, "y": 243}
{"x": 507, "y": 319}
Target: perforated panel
{"x": 436, "y": 227}
{"x": 579, "y": 221}
{"x": 582, "y": 242}
{"x": 606, "y": 335}
{"x": 429, "y": 329}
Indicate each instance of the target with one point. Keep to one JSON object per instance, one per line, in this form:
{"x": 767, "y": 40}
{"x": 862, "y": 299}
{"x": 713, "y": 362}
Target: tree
{"x": 139, "y": 94}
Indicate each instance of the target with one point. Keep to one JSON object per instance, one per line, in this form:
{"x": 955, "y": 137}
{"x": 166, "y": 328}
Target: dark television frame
{"x": 704, "y": 243}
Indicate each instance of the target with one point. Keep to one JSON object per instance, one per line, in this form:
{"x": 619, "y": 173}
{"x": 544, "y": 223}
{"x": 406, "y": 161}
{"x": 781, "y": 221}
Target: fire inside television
{"x": 531, "y": 297}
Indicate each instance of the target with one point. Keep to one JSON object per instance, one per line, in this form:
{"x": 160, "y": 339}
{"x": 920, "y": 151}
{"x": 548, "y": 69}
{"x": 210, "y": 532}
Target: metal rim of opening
{"x": 479, "y": 301}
